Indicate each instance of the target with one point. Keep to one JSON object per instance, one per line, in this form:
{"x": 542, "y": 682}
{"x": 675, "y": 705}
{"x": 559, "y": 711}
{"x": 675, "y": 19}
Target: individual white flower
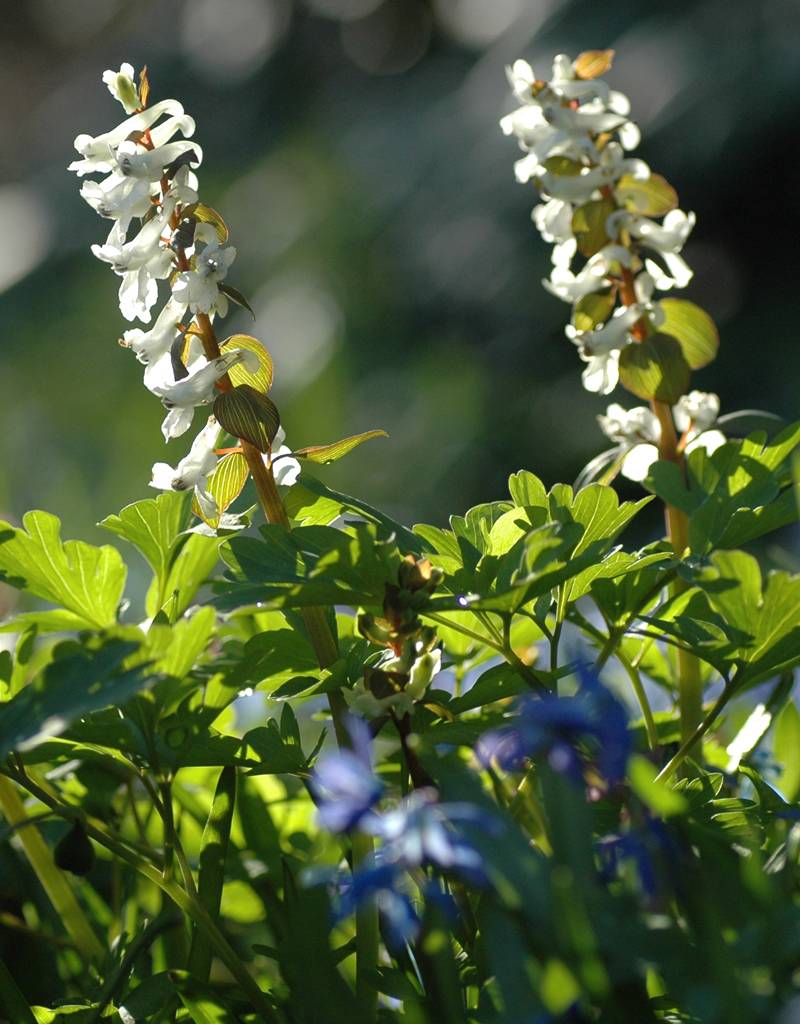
{"x": 591, "y": 117}
{"x": 638, "y": 432}
{"x": 135, "y": 162}
{"x": 698, "y": 409}
{"x": 285, "y": 468}
{"x": 669, "y": 236}
{"x": 140, "y": 262}
{"x": 122, "y": 87}
{"x": 181, "y": 397}
{"x": 554, "y": 220}
{"x": 600, "y": 348}
{"x": 118, "y": 198}
{"x": 522, "y": 80}
{"x": 592, "y": 277}
{"x": 199, "y": 288}
{"x": 667, "y": 239}
{"x": 149, "y": 346}
{"x": 193, "y": 469}
{"x": 99, "y": 152}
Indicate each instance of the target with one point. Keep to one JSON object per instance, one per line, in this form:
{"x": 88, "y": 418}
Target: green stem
{"x": 702, "y": 728}
{"x": 53, "y": 880}
{"x": 188, "y": 904}
{"x": 690, "y": 681}
{"x": 641, "y": 696}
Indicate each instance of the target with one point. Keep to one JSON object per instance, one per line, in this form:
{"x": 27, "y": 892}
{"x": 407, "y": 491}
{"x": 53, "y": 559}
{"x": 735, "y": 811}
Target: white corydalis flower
{"x": 285, "y": 468}
{"x": 193, "y": 470}
{"x": 150, "y": 346}
{"x": 181, "y": 397}
{"x": 199, "y": 288}
{"x": 637, "y": 431}
{"x": 122, "y": 87}
{"x": 600, "y": 348}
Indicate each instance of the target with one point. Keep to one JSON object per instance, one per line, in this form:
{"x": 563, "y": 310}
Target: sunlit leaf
{"x": 331, "y": 452}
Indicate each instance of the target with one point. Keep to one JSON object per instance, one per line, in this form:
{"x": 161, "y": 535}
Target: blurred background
{"x": 353, "y": 148}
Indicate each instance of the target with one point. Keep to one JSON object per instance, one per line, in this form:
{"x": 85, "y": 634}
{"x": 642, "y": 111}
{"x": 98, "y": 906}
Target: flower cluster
{"x": 637, "y": 432}
{"x": 563, "y": 731}
{"x": 162, "y": 232}
{"x": 418, "y": 833}
{"x": 598, "y": 204}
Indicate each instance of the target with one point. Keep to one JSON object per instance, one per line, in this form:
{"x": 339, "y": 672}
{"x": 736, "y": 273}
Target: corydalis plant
{"x": 161, "y": 231}
{"x": 622, "y": 222}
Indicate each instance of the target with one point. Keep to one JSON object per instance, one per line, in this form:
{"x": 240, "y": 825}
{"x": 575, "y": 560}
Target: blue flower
{"x": 651, "y": 848}
{"x": 380, "y": 884}
{"x": 344, "y": 784}
{"x": 554, "y": 727}
{"x": 422, "y": 833}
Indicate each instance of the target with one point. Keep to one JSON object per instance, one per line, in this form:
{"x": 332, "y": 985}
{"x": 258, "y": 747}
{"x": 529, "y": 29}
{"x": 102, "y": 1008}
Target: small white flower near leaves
{"x": 600, "y": 348}
{"x": 199, "y": 288}
{"x": 637, "y": 431}
{"x": 181, "y": 397}
{"x": 285, "y": 468}
{"x": 122, "y": 87}
{"x": 193, "y": 469}
{"x": 150, "y": 346}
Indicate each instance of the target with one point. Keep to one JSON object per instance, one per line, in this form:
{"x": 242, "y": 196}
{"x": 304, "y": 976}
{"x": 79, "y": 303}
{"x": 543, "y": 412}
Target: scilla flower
{"x": 344, "y": 784}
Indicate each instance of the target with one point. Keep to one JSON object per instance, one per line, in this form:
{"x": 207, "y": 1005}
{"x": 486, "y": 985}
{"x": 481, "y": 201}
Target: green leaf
{"x": 153, "y": 526}
{"x": 274, "y": 754}
{"x": 69, "y": 687}
{"x": 526, "y": 489}
{"x": 310, "y": 502}
{"x": 768, "y": 617}
{"x": 652, "y": 198}
{"x": 84, "y": 579}
{"x": 191, "y": 568}
{"x": 249, "y": 415}
{"x": 261, "y": 379}
{"x": 659, "y": 796}
{"x": 188, "y": 639}
{"x": 211, "y": 876}
{"x": 324, "y": 453}
{"x": 787, "y": 750}
{"x": 207, "y": 215}
{"x": 589, "y": 225}
{"x": 225, "y": 485}
{"x": 593, "y": 309}
{"x": 655, "y": 368}
{"x": 729, "y": 494}
{"x": 694, "y": 330}
{"x": 202, "y": 1001}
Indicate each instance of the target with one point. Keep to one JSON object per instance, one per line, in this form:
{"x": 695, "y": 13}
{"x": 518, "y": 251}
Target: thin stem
{"x": 641, "y": 696}
{"x": 703, "y": 727}
{"x": 53, "y": 880}
{"x": 690, "y": 682}
{"x": 327, "y": 653}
